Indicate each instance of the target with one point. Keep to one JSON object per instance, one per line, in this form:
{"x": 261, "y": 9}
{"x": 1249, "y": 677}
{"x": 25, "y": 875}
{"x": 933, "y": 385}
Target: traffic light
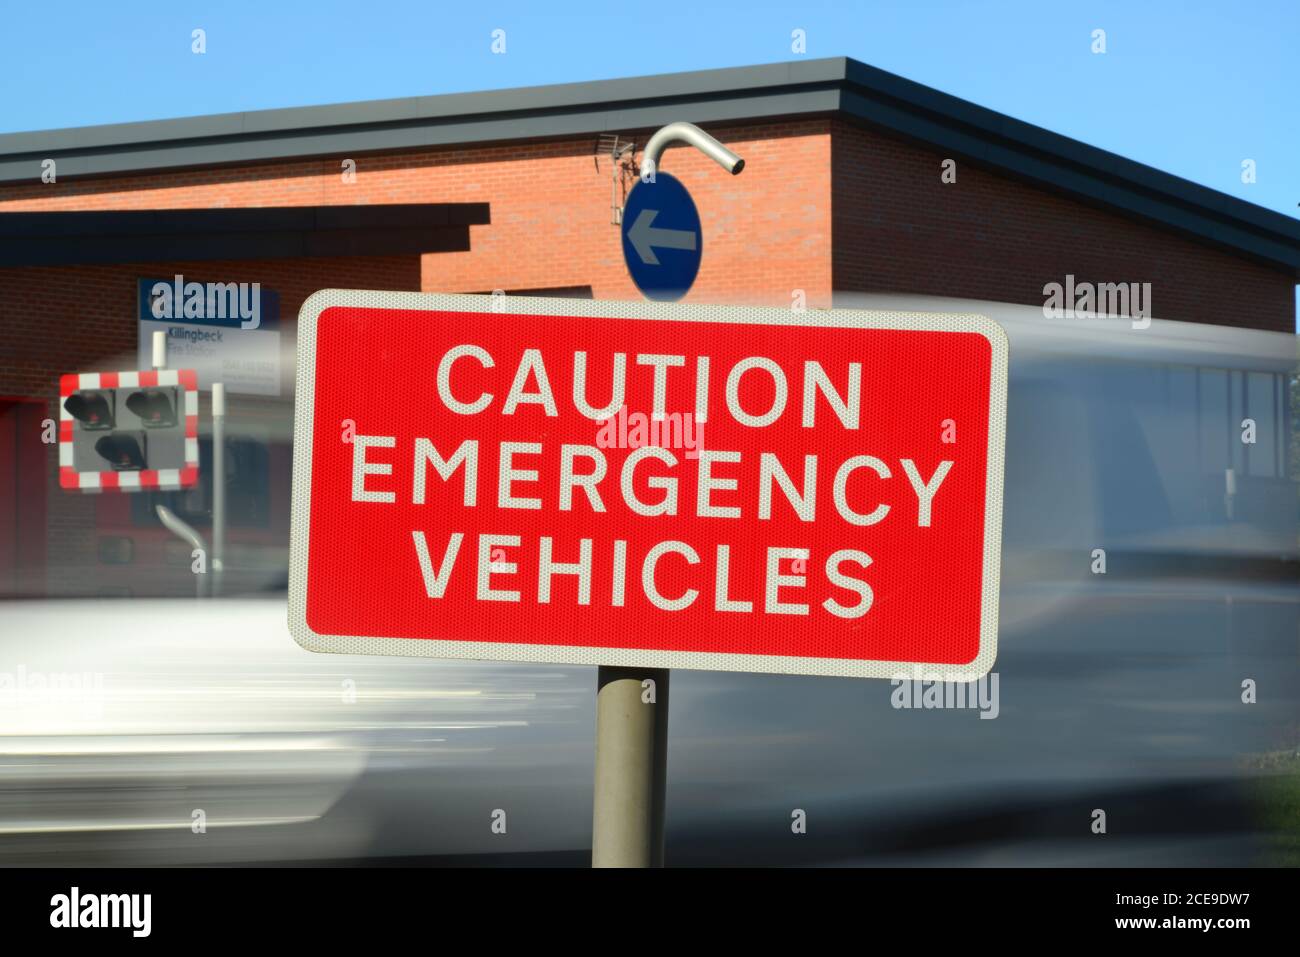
{"x": 93, "y": 408}
{"x": 156, "y": 408}
{"x": 129, "y": 431}
{"x": 124, "y": 451}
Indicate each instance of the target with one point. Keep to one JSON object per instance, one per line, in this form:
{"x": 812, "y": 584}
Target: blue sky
{"x": 1190, "y": 87}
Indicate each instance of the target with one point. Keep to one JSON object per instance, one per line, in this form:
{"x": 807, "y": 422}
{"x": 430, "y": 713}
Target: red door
{"x": 23, "y": 466}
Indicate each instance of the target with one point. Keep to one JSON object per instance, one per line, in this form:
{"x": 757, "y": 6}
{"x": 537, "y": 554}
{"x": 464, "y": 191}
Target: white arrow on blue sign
{"x": 662, "y": 239}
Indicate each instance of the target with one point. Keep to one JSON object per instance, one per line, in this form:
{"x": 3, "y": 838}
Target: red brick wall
{"x": 766, "y": 232}
{"x": 83, "y": 318}
{"x": 897, "y": 227}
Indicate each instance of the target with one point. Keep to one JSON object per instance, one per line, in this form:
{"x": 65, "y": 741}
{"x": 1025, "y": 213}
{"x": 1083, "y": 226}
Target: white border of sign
{"x": 647, "y": 658}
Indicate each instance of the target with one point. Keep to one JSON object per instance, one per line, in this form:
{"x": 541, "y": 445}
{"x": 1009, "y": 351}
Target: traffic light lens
{"x": 123, "y": 451}
{"x": 94, "y": 410}
{"x": 155, "y": 407}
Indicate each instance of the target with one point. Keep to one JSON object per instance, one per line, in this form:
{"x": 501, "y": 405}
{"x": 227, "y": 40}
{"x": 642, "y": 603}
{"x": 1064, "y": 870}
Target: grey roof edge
{"x": 447, "y": 106}
{"x": 1067, "y": 164}
{"x": 835, "y": 85}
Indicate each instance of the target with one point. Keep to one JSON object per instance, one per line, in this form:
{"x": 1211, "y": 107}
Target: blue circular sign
{"x": 662, "y": 239}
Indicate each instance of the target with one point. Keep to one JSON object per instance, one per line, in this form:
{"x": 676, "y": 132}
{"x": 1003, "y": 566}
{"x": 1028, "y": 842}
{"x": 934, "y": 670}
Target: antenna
{"x": 622, "y": 168}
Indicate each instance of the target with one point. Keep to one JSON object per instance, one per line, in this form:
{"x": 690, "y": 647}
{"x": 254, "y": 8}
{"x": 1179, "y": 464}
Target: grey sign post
{"x": 632, "y": 703}
{"x": 169, "y": 519}
{"x": 218, "y": 486}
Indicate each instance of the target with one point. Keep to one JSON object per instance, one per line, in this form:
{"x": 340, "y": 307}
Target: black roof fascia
{"x": 99, "y": 238}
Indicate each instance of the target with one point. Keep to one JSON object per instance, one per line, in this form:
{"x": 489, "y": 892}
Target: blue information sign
{"x": 662, "y": 239}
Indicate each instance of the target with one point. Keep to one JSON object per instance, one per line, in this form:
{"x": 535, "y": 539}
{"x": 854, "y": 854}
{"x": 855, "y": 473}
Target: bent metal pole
{"x": 186, "y": 533}
{"x": 691, "y": 134}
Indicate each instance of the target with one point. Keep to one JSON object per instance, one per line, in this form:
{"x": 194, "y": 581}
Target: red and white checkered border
{"x": 146, "y": 479}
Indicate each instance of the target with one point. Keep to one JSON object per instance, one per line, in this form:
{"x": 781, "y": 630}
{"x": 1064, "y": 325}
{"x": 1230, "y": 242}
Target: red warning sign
{"x": 647, "y": 484}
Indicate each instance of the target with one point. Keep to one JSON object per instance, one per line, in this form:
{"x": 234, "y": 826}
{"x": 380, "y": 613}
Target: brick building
{"x": 843, "y": 191}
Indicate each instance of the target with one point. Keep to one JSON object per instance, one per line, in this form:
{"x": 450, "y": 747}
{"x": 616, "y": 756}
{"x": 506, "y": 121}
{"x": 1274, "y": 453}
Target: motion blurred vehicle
{"x": 142, "y": 726}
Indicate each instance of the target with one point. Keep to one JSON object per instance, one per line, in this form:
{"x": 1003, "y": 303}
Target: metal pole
{"x": 692, "y": 134}
{"x": 218, "y": 485}
{"x": 185, "y": 532}
{"x": 631, "y": 768}
{"x": 160, "y": 350}
{"x": 627, "y": 827}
